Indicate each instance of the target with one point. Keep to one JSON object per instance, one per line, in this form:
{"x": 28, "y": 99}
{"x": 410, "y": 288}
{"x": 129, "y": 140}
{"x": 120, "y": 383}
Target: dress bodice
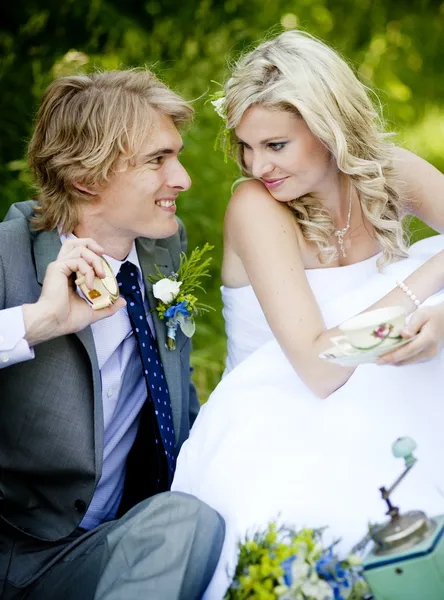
{"x": 245, "y": 324}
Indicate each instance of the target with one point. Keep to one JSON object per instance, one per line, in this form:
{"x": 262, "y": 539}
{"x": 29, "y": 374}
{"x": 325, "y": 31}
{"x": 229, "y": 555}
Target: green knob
{"x": 403, "y": 447}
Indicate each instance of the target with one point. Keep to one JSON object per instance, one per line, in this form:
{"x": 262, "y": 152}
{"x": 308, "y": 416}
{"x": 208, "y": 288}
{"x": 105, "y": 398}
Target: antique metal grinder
{"x": 407, "y": 558}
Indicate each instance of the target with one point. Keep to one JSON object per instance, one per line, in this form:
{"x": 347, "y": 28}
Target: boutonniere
{"x": 177, "y": 303}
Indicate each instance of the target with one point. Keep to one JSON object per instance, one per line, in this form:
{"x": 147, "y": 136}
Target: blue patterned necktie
{"x": 152, "y": 365}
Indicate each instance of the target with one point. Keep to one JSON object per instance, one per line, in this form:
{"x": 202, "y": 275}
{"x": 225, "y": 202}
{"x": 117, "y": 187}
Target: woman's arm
{"x": 423, "y": 187}
{"x": 263, "y": 233}
{"x": 427, "y": 280}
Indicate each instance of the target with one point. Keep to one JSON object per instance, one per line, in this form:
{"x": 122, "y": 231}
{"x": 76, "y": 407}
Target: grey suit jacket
{"x": 51, "y": 416}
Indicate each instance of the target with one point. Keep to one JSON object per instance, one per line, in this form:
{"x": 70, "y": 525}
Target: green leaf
{"x": 187, "y": 325}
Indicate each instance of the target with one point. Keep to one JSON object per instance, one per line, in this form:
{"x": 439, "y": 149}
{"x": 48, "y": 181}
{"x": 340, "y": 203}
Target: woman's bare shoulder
{"x": 251, "y": 188}
{"x": 251, "y": 203}
{"x": 253, "y": 216}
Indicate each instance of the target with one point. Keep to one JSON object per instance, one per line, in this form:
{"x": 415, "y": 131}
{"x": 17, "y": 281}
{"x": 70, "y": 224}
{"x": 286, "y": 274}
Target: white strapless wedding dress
{"x": 265, "y": 448}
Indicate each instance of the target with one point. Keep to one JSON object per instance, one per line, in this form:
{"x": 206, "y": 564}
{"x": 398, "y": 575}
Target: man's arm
{"x": 194, "y": 404}
{"x": 13, "y": 346}
{"x": 58, "y": 311}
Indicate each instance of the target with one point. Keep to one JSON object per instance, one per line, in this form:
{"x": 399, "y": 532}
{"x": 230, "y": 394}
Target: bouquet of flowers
{"x": 288, "y": 565}
{"x": 177, "y": 304}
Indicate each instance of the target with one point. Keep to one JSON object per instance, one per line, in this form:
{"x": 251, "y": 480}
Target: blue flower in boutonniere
{"x": 177, "y": 305}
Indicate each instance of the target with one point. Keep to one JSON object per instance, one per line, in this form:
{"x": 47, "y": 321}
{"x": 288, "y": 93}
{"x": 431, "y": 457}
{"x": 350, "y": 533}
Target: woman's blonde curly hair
{"x": 299, "y": 73}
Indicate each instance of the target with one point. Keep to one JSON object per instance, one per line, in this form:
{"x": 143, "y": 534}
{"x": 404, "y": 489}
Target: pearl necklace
{"x": 339, "y": 233}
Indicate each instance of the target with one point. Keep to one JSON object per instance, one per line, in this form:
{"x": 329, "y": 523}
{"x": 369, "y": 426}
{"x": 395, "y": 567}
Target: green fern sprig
{"x": 192, "y": 269}
{"x": 157, "y": 277}
{"x": 203, "y": 308}
{"x": 190, "y": 272}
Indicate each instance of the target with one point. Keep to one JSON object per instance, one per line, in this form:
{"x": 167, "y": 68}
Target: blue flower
{"x": 336, "y": 591}
{"x": 177, "y": 309}
{"x": 329, "y": 568}
{"x": 288, "y": 575}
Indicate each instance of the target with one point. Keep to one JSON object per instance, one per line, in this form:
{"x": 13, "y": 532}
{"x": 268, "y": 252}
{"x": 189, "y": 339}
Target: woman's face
{"x": 279, "y": 149}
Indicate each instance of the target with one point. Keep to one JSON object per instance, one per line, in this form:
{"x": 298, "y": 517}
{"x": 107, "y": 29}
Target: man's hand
{"x": 60, "y": 310}
{"x": 428, "y": 322}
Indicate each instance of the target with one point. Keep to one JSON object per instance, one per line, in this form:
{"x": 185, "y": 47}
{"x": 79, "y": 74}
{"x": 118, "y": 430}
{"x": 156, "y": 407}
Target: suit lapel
{"x": 46, "y": 248}
{"x": 149, "y": 255}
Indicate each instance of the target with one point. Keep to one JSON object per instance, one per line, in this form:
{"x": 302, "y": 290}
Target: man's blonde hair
{"x": 298, "y": 73}
{"x": 85, "y": 124}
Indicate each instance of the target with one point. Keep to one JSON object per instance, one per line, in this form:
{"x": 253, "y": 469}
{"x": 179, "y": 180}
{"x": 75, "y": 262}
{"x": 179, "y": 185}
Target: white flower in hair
{"x": 219, "y": 106}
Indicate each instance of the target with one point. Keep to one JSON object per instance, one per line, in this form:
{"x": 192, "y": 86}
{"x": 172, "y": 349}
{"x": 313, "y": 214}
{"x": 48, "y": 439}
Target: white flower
{"x": 354, "y": 560}
{"x": 166, "y": 290}
{"x": 219, "y": 107}
{"x": 319, "y": 590}
{"x": 299, "y": 570}
{"x": 315, "y": 553}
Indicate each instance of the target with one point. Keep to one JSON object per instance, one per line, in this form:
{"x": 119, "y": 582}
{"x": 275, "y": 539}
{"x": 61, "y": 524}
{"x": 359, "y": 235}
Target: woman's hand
{"x": 428, "y": 322}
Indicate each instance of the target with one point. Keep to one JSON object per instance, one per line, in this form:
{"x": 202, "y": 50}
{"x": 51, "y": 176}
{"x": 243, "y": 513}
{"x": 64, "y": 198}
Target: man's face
{"x": 140, "y": 201}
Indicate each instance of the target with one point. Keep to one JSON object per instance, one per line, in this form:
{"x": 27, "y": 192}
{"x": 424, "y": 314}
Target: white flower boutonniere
{"x": 177, "y": 304}
{"x": 166, "y": 290}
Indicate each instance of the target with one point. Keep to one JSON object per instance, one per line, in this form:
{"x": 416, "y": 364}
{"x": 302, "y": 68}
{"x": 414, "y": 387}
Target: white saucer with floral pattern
{"x": 354, "y": 357}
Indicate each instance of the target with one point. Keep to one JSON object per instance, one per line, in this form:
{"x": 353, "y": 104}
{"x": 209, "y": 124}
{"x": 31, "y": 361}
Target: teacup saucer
{"x": 355, "y": 357}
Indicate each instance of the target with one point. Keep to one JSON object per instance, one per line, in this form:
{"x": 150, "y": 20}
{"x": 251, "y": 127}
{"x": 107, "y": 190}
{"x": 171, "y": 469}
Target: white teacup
{"x": 379, "y": 328}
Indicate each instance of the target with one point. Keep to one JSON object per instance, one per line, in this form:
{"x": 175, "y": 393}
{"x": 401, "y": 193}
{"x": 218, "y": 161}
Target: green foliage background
{"x": 395, "y": 46}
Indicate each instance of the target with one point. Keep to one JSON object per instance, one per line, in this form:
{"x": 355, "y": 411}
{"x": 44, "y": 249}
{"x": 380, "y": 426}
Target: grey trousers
{"x": 165, "y": 548}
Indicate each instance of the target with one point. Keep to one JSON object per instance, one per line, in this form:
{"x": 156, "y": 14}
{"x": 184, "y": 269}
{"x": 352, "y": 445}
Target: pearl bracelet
{"x": 409, "y": 293}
